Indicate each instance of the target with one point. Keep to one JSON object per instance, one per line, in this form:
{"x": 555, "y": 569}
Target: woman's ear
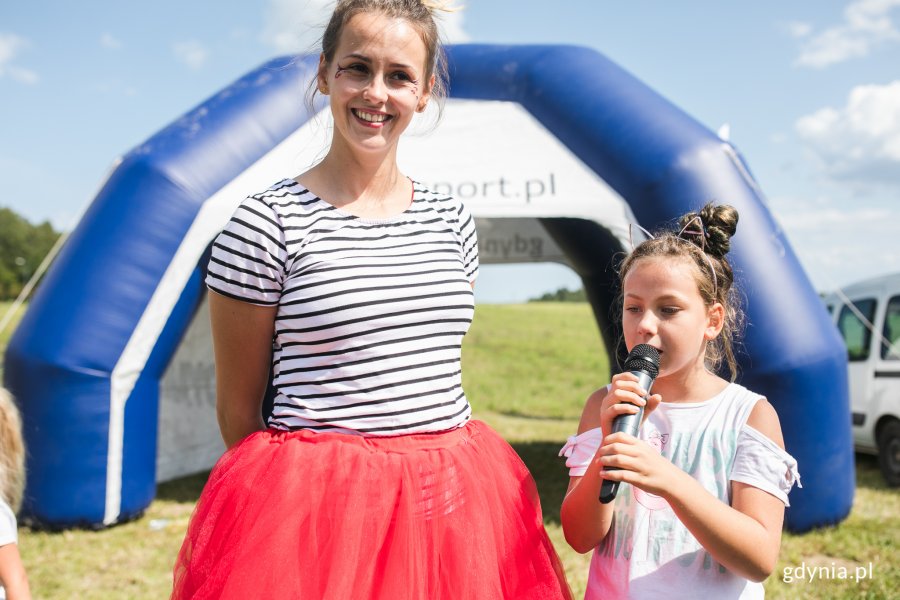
{"x": 423, "y": 101}
{"x": 715, "y": 321}
{"x": 322, "y": 76}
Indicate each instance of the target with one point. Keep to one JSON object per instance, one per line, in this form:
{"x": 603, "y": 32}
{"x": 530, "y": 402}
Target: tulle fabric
{"x": 452, "y": 516}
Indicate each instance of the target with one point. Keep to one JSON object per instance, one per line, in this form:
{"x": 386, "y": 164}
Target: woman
{"x": 353, "y": 284}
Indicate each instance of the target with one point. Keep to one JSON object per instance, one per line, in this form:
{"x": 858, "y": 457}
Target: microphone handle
{"x": 630, "y": 424}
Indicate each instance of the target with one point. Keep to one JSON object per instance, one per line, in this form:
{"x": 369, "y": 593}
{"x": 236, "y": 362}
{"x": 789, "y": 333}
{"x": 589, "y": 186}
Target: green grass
{"x": 535, "y": 360}
{"x": 527, "y": 371}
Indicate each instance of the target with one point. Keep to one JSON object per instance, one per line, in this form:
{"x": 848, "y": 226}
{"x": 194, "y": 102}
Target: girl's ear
{"x": 715, "y": 321}
{"x": 423, "y": 101}
{"x": 321, "y": 76}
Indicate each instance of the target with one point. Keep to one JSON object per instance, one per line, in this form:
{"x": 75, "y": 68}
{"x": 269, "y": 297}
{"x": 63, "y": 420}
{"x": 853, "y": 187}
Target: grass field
{"x": 527, "y": 370}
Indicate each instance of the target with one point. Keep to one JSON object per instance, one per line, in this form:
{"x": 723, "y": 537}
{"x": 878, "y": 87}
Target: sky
{"x": 805, "y": 90}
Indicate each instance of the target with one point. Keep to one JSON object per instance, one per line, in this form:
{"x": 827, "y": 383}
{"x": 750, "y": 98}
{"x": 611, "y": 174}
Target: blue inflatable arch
{"x": 86, "y": 361}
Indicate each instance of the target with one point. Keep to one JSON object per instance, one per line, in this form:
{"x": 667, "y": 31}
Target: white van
{"x": 867, "y": 314}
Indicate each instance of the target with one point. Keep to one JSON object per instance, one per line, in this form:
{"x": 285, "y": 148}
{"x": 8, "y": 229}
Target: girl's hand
{"x": 624, "y": 398}
{"x": 637, "y": 463}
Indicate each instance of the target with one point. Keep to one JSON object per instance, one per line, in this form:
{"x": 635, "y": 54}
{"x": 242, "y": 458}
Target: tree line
{"x": 562, "y": 295}
{"x": 22, "y": 248}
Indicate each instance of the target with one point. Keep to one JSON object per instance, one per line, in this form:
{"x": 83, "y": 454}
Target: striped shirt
{"x": 371, "y": 312}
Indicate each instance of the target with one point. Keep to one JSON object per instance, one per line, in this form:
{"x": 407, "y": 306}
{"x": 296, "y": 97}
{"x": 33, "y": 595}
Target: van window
{"x": 857, "y": 334}
{"x": 891, "y": 330}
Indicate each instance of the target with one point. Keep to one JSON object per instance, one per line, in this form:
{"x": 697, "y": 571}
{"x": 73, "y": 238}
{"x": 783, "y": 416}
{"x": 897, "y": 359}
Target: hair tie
{"x": 699, "y": 232}
{"x": 703, "y": 233}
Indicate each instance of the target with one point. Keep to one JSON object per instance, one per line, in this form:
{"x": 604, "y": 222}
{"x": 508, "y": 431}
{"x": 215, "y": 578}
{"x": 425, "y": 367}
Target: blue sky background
{"x": 809, "y": 90}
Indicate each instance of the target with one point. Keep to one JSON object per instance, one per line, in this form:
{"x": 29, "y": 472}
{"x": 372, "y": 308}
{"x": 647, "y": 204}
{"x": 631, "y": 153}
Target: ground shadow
{"x": 868, "y": 474}
{"x": 549, "y": 472}
{"x": 183, "y": 489}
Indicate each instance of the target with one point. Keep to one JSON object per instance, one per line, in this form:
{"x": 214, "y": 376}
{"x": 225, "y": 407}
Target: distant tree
{"x": 562, "y": 295}
{"x": 22, "y": 248}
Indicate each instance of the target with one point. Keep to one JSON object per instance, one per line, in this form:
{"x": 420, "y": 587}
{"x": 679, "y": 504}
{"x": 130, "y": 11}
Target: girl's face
{"x": 663, "y": 308}
{"x": 376, "y": 81}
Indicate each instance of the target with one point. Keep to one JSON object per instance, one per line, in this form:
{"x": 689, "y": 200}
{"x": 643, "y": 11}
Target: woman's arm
{"x": 745, "y": 537}
{"x": 242, "y": 341}
{"x": 12, "y": 573}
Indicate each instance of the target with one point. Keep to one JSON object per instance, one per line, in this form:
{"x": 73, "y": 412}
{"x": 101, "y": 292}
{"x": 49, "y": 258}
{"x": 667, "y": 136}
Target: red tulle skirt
{"x": 451, "y": 516}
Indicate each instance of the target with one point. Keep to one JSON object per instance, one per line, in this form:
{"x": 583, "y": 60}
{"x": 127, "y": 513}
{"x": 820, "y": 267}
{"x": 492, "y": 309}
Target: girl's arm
{"x": 242, "y": 341}
{"x": 585, "y": 520}
{"x": 745, "y": 537}
{"x": 12, "y": 573}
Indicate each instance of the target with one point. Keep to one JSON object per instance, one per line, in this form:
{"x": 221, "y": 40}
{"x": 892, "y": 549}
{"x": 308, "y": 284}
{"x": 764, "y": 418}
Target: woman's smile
{"x": 371, "y": 118}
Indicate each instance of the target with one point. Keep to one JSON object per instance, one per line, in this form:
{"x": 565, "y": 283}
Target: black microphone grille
{"x": 643, "y": 357}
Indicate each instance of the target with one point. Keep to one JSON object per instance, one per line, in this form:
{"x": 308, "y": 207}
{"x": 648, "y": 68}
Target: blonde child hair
{"x": 12, "y": 452}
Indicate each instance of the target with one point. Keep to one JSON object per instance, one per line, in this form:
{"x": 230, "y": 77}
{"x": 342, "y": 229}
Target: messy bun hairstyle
{"x": 703, "y": 238}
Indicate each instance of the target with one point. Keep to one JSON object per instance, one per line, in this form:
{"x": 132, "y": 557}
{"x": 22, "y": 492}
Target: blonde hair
{"x": 12, "y": 452}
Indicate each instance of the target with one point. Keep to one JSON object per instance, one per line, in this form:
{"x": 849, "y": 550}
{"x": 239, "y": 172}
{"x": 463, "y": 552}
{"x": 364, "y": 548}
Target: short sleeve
{"x": 469, "y": 240}
{"x": 8, "y": 531}
{"x": 580, "y": 449}
{"x": 249, "y": 256}
{"x": 760, "y": 462}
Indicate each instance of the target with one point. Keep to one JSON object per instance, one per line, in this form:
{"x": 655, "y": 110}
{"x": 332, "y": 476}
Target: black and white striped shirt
{"x": 371, "y": 313}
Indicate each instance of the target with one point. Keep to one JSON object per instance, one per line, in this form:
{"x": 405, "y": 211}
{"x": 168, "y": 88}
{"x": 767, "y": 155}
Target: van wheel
{"x": 889, "y": 452}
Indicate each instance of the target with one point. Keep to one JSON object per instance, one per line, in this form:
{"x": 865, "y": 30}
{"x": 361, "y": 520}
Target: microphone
{"x": 643, "y": 361}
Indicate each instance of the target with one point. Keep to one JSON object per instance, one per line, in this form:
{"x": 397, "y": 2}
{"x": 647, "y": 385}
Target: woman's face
{"x": 663, "y": 308}
{"x": 376, "y": 81}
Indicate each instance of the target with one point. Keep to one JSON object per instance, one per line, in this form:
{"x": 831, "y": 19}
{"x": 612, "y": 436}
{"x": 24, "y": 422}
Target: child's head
{"x": 12, "y": 452}
{"x": 701, "y": 242}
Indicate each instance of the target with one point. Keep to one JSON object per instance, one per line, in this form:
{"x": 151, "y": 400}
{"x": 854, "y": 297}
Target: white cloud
{"x": 9, "y": 47}
{"x": 26, "y": 76}
{"x": 115, "y": 87}
{"x": 860, "y": 141}
{"x": 837, "y": 218}
{"x": 452, "y": 26}
{"x": 107, "y": 40}
{"x": 295, "y": 26}
{"x": 836, "y": 237}
{"x": 10, "y": 44}
{"x": 192, "y": 53}
{"x": 866, "y": 24}
{"x": 798, "y": 29}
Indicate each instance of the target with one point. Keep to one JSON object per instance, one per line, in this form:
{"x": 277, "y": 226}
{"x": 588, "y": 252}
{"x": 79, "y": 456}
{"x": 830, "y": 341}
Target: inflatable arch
{"x": 555, "y": 150}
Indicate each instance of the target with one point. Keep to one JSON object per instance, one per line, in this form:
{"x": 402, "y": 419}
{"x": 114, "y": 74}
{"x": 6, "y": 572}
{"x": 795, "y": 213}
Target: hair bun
{"x": 711, "y": 228}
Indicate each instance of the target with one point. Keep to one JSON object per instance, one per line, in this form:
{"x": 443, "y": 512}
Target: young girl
{"x": 353, "y": 284}
{"x": 13, "y": 581}
{"x": 702, "y": 491}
